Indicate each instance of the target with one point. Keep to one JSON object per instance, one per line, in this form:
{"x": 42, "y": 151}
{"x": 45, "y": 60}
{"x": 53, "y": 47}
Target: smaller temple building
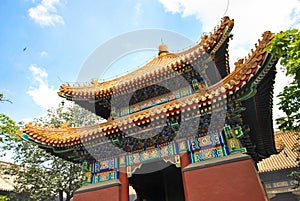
{"x": 6, "y": 180}
{"x": 274, "y": 171}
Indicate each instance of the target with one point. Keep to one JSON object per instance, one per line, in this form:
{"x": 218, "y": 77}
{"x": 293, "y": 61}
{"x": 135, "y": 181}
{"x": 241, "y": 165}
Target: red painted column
{"x": 124, "y": 184}
{"x": 184, "y": 162}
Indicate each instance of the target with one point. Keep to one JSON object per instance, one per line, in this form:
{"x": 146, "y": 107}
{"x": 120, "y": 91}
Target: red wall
{"x": 105, "y": 194}
{"x": 235, "y": 181}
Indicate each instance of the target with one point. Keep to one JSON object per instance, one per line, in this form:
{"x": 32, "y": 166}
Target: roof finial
{"x": 162, "y": 49}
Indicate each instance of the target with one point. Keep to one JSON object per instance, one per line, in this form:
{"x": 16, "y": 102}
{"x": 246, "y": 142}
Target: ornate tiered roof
{"x": 153, "y": 71}
{"x": 244, "y": 71}
{"x": 96, "y": 95}
{"x": 251, "y": 83}
{"x": 286, "y": 158}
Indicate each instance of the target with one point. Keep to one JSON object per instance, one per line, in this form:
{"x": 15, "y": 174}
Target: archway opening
{"x": 158, "y": 181}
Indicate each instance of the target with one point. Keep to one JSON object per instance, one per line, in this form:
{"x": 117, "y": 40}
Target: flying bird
{"x": 24, "y": 49}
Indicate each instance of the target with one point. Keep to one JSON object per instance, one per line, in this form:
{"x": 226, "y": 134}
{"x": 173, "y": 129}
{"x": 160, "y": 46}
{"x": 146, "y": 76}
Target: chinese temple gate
{"x": 181, "y": 127}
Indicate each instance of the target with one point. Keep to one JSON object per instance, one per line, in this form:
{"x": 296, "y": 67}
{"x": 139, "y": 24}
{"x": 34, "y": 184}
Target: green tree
{"x": 8, "y": 128}
{"x": 8, "y": 133}
{"x": 4, "y": 198}
{"x": 286, "y": 45}
{"x": 3, "y": 99}
{"x": 41, "y": 176}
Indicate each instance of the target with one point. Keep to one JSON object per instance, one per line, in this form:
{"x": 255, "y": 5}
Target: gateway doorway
{"x": 158, "y": 181}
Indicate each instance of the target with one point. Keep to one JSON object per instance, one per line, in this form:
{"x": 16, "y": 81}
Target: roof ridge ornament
{"x": 162, "y": 49}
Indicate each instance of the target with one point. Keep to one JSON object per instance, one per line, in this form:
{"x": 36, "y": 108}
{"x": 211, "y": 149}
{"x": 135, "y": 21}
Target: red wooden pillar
{"x": 124, "y": 184}
{"x": 184, "y": 160}
{"x": 230, "y": 178}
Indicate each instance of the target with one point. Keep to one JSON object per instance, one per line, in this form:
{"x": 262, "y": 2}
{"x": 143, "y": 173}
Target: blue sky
{"x": 44, "y": 43}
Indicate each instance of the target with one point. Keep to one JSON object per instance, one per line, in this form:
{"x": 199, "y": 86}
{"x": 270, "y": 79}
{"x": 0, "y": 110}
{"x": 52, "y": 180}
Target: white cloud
{"x": 252, "y": 18}
{"x": 138, "y": 8}
{"x": 38, "y": 73}
{"x": 45, "y": 13}
{"x": 42, "y": 94}
{"x": 43, "y": 54}
{"x": 172, "y": 6}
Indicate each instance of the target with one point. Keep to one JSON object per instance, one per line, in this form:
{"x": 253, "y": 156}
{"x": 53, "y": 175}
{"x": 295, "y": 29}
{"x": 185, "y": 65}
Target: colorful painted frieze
{"x": 207, "y": 154}
{"x": 105, "y": 176}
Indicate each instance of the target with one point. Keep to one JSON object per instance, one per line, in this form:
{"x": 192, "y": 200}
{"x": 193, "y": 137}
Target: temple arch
{"x": 158, "y": 181}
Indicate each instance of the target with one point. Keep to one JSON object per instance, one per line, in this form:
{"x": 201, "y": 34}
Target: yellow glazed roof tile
{"x": 286, "y": 158}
